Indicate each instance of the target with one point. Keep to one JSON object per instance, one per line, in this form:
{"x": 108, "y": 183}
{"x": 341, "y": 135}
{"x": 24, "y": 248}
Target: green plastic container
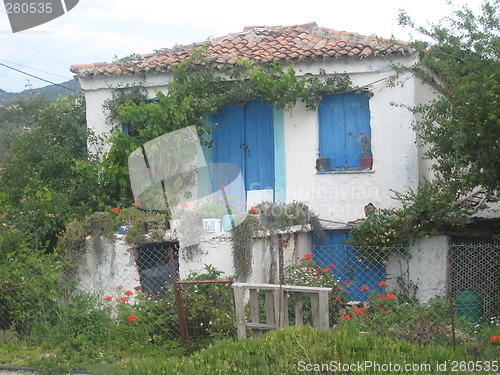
{"x": 469, "y": 304}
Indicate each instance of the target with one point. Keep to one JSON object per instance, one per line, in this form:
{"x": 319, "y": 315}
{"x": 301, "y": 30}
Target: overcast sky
{"x": 97, "y": 30}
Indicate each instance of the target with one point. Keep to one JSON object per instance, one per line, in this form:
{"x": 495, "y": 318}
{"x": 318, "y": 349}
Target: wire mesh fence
{"x": 423, "y": 292}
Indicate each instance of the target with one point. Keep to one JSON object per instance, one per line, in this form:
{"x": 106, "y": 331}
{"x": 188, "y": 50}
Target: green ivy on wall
{"x": 199, "y": 88}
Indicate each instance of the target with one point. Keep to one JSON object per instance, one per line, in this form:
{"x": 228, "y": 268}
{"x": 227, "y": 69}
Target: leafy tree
{"x": 47, "y": 177}
{"x": 462, "y": 126}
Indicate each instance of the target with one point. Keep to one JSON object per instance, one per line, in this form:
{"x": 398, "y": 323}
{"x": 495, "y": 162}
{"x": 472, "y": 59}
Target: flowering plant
{"x": 364, "y": 143}
{"x": 217, "y": 205}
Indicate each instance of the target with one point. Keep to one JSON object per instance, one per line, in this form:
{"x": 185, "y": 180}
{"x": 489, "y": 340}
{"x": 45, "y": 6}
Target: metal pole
{"x": 179, "y": 303}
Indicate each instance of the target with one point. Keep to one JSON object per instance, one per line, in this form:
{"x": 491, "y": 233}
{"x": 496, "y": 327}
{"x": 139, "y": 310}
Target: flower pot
{"x": 366, "y": 162}
{"x": 322, "y": 164}
{"x": 212, "y": 225}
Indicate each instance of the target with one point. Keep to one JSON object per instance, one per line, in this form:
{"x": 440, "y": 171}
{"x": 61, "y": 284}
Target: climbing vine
{"x": 428, "y": 211}
{"x": 270, "y": 219}
{"x": 198, "y": 88}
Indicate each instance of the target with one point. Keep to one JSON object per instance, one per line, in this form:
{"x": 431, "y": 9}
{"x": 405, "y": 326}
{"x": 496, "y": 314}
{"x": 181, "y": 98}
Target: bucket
{"x": 469, "y": 304}
{"x": 212, "y": 225}
{"x": 227, "y": 222}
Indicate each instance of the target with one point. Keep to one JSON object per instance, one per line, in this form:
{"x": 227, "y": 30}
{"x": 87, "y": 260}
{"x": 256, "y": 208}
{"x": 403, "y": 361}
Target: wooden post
{"x": 270, "y": 307}
{"x": 450, "y": 299}
{"x": 323, "y": 311}
{"x": 240, "y": 311}
{"x": 315, "y": 309}
{"x": 254, "y": 309}
{"x": 179, "y": 303}
{"x": 299, "y": 319}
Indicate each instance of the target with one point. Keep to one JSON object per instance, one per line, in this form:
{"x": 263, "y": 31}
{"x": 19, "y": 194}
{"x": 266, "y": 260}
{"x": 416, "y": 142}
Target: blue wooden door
{"x": 244, "y": 136}
{"x": 353, "y": 273}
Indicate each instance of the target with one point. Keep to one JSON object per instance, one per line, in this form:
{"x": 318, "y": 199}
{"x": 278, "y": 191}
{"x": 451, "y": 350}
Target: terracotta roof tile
{"x": 262, "y": 43}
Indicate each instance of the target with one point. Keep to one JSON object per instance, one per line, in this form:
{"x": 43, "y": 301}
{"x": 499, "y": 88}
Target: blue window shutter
{"x": 125, "y": 129}
{"x": 338, "y": 115}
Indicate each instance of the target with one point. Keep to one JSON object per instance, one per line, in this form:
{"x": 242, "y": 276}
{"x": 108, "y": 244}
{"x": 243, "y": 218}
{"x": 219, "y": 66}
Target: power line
{"x": 41, "y": 79}
{"x": 38, "y": 70}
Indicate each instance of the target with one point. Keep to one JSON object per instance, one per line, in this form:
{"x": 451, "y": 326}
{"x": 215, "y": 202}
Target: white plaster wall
{"x": 341, "y": 197}
{"x": 424, "y": 94}
{"x": 99, "y": 90}
{"x": 426, "y": 268}
{"x": 216, "y": 250}
{"x": 102, "y": 268}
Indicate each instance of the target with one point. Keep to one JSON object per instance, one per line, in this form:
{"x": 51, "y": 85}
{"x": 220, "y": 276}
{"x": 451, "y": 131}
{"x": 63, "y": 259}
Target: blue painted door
{"x": 352, "y": 273}
{"x": 244, "y": 136}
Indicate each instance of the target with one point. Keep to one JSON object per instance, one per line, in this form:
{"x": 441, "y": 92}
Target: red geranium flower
{"x": 331, "y": 265}
{"x": 389, "y": 311}
{"x": 364, "y": 287}
{"x": 346, "y": 317}
{"x": 495, "y": 338}
{"x": 119, "y": 287}
{"x": 308, "y": 256}
{"x": 128, "y": 293}
{"x": 122, "y": 299}
{"x": 108, "y": 298}
{"x": 132, "y": 318}
{"x": 116, "y": 210}
{"x": 382, "y": 283}
{"x": 389, "y": 296}
{"x": 326, "y": 270}
{"x": 346, "y": 282}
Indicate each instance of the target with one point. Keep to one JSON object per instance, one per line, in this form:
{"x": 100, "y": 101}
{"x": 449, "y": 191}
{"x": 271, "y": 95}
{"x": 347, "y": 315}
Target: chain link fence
{"x": 431, "y": 290}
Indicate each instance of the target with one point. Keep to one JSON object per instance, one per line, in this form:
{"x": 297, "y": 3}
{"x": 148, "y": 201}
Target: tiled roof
{"x": 307, "y": 42}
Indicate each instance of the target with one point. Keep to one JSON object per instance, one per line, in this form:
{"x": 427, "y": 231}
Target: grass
{"x": 290, "y": 351}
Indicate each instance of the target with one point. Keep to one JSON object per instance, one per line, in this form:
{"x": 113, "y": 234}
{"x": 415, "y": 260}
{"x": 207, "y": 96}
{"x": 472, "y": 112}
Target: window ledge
{"x": 356, "y": 171}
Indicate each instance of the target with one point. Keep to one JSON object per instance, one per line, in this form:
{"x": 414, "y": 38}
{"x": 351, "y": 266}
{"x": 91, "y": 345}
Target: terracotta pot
{"x": 366, "y": 162}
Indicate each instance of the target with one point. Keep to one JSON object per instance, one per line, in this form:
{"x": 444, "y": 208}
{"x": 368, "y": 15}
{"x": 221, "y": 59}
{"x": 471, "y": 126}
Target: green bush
{"x": 31, "y": 289}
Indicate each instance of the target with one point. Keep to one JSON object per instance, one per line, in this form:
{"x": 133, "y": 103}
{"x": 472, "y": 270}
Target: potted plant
{"x": 322, "y": 164}
{"x": 211, "y": 213}
{"x": 364, "y": 142}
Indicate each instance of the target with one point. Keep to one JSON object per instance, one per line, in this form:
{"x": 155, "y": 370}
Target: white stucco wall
{"x": 216, "y": 250}
{"x": 102, "y": 268}
{"x": 425, "y": 268}
{"x": 99, "y": 90}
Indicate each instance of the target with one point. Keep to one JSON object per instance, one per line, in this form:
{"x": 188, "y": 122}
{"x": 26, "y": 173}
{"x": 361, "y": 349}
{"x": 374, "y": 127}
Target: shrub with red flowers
{"x": 308, "y": 273}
